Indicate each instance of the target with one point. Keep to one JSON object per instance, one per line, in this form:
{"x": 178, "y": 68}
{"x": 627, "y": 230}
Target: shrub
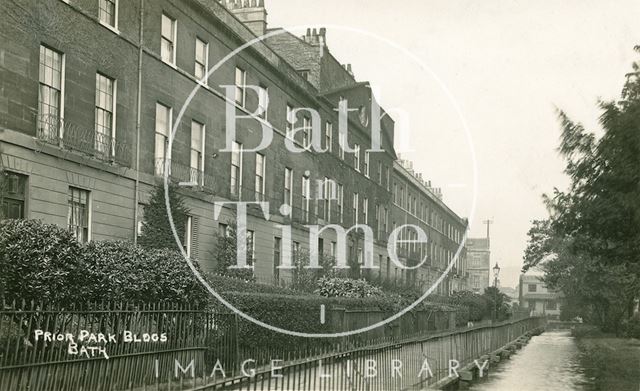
{"x": 346, "y": 287}
{"x": 39, "y": 262}
{"x": 306, "y": 279}
{"x": 122, "y": 271}
{"x": 45, "y": 262}
{"x": 478, "y": 306}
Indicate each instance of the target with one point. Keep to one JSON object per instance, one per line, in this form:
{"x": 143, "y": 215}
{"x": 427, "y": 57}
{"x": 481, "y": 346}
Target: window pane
{"x": 104, "y": 113}
{"x": 108, "y": 12}
{"x": 78, "y": 213}
{"x": 201, "y": 51}
{"x": 167, "y": 27}
{"x": 49, "y": 93}
{"x": 196, "y": 136}
{"x": 167, "y": 42}
{"x": 163, "y": 119}
{"x": 12, "y": 203}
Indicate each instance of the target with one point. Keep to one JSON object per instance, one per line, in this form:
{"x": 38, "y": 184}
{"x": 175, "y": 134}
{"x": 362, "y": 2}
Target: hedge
{"x": 122, "y": 271}
{"x": 300, "y": 313}
{"x": 44, "y": 262}
{"x": 222, "y": 283}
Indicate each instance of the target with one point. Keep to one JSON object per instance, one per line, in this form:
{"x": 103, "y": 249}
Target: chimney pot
{"x": 250, "y": 12}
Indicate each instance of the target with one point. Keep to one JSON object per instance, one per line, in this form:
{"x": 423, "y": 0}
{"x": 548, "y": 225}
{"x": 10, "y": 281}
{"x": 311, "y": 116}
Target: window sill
{"x": 171, "y": 64}
{"x": 114, "y": 29}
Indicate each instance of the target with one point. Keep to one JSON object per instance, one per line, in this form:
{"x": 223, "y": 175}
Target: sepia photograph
{"x": 341, "y": 195}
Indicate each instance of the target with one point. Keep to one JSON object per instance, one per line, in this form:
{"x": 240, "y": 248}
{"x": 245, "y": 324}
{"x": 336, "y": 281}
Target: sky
{"x": 478, "y": 85}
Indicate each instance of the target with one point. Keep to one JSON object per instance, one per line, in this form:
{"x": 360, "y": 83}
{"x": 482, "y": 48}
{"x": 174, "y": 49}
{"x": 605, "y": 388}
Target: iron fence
{"x": 167, "y": 346}
{"x": 414, "y": 362}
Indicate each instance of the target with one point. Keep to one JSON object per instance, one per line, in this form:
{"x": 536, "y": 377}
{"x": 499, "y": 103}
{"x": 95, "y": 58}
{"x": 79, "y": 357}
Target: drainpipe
{"x": 138, "y": 125}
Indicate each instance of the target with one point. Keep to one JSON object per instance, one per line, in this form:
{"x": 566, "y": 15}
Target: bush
{"x": 306, "y": 279}
{"x": 346, "y": 287}
{"x": 39, "y": 262}
{"x": 122, "y": 271}
{"x": 45, "y": 262}
{"x": 479, "y": 307}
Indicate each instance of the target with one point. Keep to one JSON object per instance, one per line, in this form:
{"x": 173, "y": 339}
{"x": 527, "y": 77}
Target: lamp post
{"x": 496, "y": 273}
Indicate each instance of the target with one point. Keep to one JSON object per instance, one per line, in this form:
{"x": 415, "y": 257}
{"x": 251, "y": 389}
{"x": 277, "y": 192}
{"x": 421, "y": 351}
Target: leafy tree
{"x": 156, "y": 230}
{"x": 498, "y": 303}
{"x": 590, "y": 246}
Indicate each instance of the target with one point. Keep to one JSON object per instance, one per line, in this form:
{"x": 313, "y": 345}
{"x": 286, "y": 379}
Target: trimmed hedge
{"x": 122, "y": 271}
{"x": 222, "y": 283}
{"x": 44, "y": 262}
{"x": 302, "y": 314}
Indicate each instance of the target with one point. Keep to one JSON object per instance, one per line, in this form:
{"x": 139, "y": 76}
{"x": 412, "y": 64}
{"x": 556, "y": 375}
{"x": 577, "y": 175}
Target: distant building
{"x": 537, "y": 298}
{"x": 478, "y": 263}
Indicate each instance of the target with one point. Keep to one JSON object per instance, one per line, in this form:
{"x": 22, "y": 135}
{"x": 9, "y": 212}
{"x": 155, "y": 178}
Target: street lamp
{"x": 496, "y": 272}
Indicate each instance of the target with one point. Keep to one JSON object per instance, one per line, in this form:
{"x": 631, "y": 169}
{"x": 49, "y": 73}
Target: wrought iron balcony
{"x": 183, "y": 174}
{"x": 64, "y": 134}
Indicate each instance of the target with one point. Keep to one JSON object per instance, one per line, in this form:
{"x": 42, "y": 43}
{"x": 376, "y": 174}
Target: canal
{"x": 550, "y": 361}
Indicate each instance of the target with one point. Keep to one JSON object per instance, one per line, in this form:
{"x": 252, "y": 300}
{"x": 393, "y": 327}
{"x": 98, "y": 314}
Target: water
{"x": 548, "y": 362}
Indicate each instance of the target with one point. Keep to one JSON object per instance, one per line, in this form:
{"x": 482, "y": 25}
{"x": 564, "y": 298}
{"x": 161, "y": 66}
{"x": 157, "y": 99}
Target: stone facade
{"x": 539, "y": 300}
{"x": 479, "y": 263}
{"x": 62, "y": 157}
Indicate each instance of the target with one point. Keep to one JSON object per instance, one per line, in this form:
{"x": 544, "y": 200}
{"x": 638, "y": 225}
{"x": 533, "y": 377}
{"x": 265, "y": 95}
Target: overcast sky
{"x": 508, "y": 64}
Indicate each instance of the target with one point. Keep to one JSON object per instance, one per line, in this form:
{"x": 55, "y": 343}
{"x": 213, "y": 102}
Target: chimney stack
{"x": 439, "y": 193}
{"x": 250, "y": 12}
{"x": 316, "y": 37}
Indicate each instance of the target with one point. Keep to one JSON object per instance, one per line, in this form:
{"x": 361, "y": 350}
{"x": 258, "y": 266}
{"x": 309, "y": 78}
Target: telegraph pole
{"x": 488, "y": 222}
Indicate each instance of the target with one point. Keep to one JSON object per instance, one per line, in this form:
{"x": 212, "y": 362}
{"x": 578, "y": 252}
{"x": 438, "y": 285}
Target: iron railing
{"x": 65, "y": 134}
{"x": 182, "y": 173}
{"x": 206, "y": 339}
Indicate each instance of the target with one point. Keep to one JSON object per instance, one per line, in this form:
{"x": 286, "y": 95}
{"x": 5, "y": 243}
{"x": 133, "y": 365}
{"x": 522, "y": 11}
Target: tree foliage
{"x": 478, "y": 305}
{"x": 590, "y": 246}
{"x": 156, "y": 229}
